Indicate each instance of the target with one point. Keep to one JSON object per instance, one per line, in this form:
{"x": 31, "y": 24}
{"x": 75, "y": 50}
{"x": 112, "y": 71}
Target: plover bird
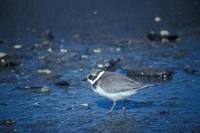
{"x": 113, "y": 86}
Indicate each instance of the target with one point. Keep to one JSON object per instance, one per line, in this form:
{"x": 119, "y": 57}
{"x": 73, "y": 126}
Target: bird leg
{"x": 113, "y": 105}
{"x": 124, "y": 106}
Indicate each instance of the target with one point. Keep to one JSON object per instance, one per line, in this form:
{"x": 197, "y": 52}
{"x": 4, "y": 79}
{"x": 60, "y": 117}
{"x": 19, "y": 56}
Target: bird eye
{"x": 90, "y": 76}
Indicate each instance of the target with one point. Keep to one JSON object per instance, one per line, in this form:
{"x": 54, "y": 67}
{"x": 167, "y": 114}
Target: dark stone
{"x": 62, "y": 83}
{"x": 7, "y": 122}
{"x": 155, "y": 37}
{"x": 158, "y": 73}
{"x": 9, "y": 62}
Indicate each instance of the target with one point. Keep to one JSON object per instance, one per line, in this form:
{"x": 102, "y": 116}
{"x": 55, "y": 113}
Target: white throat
{"x": 92, "y": 82}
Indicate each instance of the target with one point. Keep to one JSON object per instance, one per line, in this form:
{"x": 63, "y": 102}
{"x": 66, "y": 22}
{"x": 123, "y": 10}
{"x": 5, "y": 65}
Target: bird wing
{"x": 114, "y": 83}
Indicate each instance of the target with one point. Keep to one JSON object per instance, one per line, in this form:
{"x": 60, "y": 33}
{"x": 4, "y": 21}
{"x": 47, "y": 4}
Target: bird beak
{"x": 85, "y": 79}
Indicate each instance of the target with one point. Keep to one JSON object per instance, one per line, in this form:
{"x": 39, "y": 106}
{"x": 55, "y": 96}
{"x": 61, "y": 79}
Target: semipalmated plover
{"x": 113, "y": 86}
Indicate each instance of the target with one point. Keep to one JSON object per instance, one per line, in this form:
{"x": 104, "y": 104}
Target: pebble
{"x": 84, "y": 56}
{"x": 44, "y": 71}
{"x": 45, "y": 89}
{"x": 97, "y": 50}
{"x": 50, "y": 50}
{"x": 100, "y": 66}
{"x": 85, "y": 104}
{"x": 118, "y": 49}
{"x": 63, "y": 50}
{"x": 2, "y": 54}
{"x": 17, "y": 46}
{"x": 157, "y": 19}
{"x": 36, "y": 104}
{"x": 164, "y": 33}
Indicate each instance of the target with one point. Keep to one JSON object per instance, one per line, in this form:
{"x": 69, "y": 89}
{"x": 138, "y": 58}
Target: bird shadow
{"x": 106, "y": 104}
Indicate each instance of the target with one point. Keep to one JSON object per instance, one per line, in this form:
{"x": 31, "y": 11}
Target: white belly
{"x": 114, "y": 96}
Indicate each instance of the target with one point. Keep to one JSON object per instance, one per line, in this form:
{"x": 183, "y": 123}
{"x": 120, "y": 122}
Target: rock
{"x": 190, "y": 69}
{"x": 17, "y": 46}
{"x": 49, "y": 50}
{"x": 44, "y": 71}
{"x": 163, "y": 36}
{"x": 62, "y": 83}
{"x": 85, "y": 105}
{"x": 157, "y": 19}
{"x": 45, "y": 90}
{"x": 7, "y": 122}
{"x": 2, "y": 55}
{"x": 97, "y": 50}
{"x": 8, "y": 62}
{"x": 157, "y": 73}
{"x": 63, "y": 50}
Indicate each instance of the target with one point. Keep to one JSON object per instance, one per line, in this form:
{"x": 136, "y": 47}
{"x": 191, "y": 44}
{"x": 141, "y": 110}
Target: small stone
{"x": 17, "y": 46}
{"x": 36, "y": 104}
{"x": 164, "y": 33}
{"x": 44, "y": 71}
{"x": 85, "y": 104}
{"x": 45, "y": 90}
{"x": 100, "y": 66}
{"x": 2, "y": 54}
{"x": 50, "y": 50}
{"x": 63, "y": 50}
{"x": 97, "y": 50}
{"x": 84, "y": 56}
{"x": 41, "y": 57}
{"x": 118, "y": 49}
{"x": 157, "y": 19}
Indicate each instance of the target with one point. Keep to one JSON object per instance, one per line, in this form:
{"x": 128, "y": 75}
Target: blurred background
{"x": 47, "y": 48}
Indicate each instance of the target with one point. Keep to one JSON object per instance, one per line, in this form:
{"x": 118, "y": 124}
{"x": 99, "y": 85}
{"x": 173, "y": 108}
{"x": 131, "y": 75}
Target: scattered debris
{"x": 160, "y": 73}
{"x": 45, "y": 90}
{"x": 163, "y": 36}
{"x": 63, "y": 50}
{"x": 44, "y": 71}
{"x": 7, "y": 122}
